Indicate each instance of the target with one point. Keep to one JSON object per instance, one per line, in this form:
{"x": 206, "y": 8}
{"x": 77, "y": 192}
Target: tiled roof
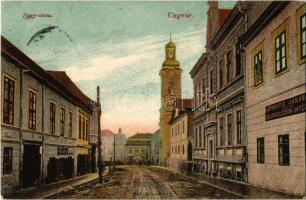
{"x": 141, "y": 136}
{"x": 184, "y": 104}
{"x": 106, "y": 133}
{"x": 64, "y": 79}
{"x": 71, "y": 92}
{"x": 223, "y": 14}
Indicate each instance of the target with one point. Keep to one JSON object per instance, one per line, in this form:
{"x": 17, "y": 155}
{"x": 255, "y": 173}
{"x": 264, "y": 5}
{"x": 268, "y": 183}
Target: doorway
{"x": 31, "y": 165}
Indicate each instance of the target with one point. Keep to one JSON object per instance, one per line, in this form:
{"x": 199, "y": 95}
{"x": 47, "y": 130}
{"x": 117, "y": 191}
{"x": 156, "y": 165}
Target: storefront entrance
{"x": 31, "y": 165}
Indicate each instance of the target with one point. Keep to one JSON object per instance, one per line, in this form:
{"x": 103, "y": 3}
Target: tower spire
{"x": 170, "y": 37}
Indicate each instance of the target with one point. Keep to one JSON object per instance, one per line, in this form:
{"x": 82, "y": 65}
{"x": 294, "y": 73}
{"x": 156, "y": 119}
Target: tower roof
{"x": 170, "y": 45}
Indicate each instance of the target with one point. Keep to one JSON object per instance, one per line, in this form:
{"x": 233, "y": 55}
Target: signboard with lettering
{"x": 287, "y": 107}
{"x": 62, "y": 150}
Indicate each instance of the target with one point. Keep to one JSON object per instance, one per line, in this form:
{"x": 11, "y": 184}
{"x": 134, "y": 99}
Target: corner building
{"x": 275, "y": 48}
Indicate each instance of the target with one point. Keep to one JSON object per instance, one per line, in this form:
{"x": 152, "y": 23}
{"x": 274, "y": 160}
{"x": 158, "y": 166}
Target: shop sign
{"x": 63, "y": 150}
{"x": 287, "y": 107}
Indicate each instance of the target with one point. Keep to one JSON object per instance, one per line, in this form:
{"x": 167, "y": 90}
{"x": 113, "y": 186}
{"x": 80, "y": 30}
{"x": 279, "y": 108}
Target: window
{"x": 260, "y": 150}
{"x": 195, "y": 97}
{"x": 283, "y": 150}
{"x": 62, "y": 122}
{"x": 32, "y": 110}
{"x": 280, "y": 53}
{"x": 8, "y": 101}
{"x": 183, "y": 126}
{"x": 258, "y": 66}
{"x": 228, "y": 66}
{"x": 80, "y": 126}
{"x": 172, "y": 149}
{"x": 87, "y": 129}
{"x": 183, "y": 149}
{"x": 70, "y": 125}
{"x": 52, "y": 117}
{"x": 196, "y": 137}
{"x": 7, "y": 160}
{"x": 200, "y": 94}
{"x": 220, "y": 74}
{"x": 303, "y": 36}
{"x": 200, "y": 136}
{"x": 83, "y": 128}
{"x": 229, "y": 129}
{"x": 221, "y": 131}
{"x": 204, "y": 137}
{"x": 203, "y": 90}
{"x": 238, "y": 126}
{"x": 238, "y": 61}
{"x": 211, "y": 82}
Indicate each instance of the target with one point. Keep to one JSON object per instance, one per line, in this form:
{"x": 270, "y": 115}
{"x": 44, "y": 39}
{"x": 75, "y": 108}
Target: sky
{"x": 116, "y": 45}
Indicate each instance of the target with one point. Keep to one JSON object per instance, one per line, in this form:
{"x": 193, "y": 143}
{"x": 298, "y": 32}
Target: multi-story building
{"x": 170, "y": 75}
{"x": 275, "y": 48}
{"x": 155, "y": 147}
{"x": 39, "y": 123}
{"x": 120, "y": 141}
{"x": 138, "y": 148}
{"x": 204, "y": 117}
{"x": 228, "y": 90}
{"x": 181, "y": 141}
{"x": 107, "y": 146}
{"x": 220, "y": 134}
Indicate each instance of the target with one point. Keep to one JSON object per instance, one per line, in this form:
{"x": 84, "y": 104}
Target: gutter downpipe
{"x": 246, "y": 19}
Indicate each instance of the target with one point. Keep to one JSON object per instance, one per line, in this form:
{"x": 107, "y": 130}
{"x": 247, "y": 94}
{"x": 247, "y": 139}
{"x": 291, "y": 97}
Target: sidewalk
{"x": 244, "y": 190}
{"x": 51, "y": 189}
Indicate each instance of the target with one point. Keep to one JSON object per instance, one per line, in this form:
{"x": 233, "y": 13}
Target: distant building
{"x": 275, "y": 48}
{"x": 107, "y": 146}
{"x": 120, "y": 141}
{"x": 181, "y": 141}
{"x": 155, "y": 147}
{"x": 138, "y": 148}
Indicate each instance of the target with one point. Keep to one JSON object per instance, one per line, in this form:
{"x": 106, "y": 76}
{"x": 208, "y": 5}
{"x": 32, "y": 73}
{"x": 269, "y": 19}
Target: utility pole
{"x": 114, "y": 165}
{"x": 99, "y": 136}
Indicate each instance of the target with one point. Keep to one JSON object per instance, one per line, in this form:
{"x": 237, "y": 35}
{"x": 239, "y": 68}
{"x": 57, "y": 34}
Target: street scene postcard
{"x": 153, "y": 99}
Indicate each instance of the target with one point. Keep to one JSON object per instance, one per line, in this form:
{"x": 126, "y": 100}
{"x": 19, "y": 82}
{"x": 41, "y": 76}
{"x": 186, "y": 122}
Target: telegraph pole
{"x": 99, "y": 136}
{"x": 114, "y": 165}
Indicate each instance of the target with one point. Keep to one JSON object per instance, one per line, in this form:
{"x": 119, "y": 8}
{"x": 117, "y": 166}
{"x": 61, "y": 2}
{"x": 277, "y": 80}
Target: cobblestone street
{"x": 134, "y": 182}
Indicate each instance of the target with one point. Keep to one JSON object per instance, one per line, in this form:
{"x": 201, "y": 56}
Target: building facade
{"x": 170, "y": 75}
{"x": 120, "y": 141}
{"x": 219, "y": 93}
{"x": 107, "y": 146}
{"x": 155, "y": 147}
{"x": 275, "y": 48}
{"x": 181, "y": 141}
{"x": 39, "y": 123}
{"x": 138, "y": 148}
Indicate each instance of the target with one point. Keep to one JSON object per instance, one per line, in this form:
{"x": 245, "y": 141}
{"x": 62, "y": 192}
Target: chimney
{"x": 212, "y": 20}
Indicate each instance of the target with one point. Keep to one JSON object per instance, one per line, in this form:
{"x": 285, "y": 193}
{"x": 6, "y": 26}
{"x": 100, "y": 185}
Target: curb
{"x": 71, "y": 187}
{"x": 204, "y": 182}
{"x": 67, "y": 188}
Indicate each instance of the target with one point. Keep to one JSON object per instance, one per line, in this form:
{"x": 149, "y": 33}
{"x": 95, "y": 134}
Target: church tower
{"x": 170, "y": 75}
